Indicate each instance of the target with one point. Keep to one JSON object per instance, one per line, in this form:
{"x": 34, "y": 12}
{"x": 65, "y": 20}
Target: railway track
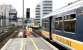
{"x": 6, "y": 36}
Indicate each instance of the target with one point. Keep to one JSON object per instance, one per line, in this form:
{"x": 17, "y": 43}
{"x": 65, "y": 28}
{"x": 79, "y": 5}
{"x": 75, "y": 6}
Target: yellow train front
{"x": 65, "y": 26}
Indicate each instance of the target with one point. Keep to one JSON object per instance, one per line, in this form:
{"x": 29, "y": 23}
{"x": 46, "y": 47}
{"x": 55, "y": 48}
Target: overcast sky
{"x": 17, "y": 4}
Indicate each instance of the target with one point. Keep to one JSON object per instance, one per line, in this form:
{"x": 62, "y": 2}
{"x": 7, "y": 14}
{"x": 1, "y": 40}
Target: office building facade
{"x": 5, "y": 15}
{"x": 13, "y": 17}
{"x": 46, "y": 7}
{"x": 42, "y": 9}
{"x": 38, "y": 15}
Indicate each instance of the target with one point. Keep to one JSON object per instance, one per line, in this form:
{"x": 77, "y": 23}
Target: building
{"x": 5, "y": 14}
{"x": 37, "y": 20}
{"x": 28, "y": 13}
{"x": 38, "y": 11}
{"x": 13, "y": 17}
{"x": 0, "y": 18}
{"x": 4, "y": 10}
{"x": 46, "y": 7}
{"x": 42, "y": 9}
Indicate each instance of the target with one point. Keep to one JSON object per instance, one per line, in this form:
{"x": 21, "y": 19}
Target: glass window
{"x": 69, "y": 25}
{"x": 46, "y": 24}
{"x": 59, "y": 23}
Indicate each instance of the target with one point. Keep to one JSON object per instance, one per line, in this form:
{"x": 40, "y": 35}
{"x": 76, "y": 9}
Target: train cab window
{"x": 69, "y": 24}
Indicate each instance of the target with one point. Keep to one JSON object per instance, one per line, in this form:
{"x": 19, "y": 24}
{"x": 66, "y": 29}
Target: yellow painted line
{"x": 34, "y": 44}
{"x": 21, "y": 45}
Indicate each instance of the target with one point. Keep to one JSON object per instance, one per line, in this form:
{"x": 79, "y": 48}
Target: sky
{"x": 17, "y": 4}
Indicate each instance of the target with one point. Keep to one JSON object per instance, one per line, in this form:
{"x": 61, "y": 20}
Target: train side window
{"x": 56, "y": 19}
{"x": 72, "y": 16}
{"x": 69, "y": 25}
{"x": 66, "y": 17}
{"x": 58, "y": 23}
{"x": 60, "y": 18}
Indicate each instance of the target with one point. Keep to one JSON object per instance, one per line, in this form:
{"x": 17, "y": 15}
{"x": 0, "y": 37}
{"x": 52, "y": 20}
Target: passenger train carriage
{"x": 65, "y": 26}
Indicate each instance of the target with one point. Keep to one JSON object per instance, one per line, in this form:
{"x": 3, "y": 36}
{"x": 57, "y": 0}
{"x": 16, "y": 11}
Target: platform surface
{"x": 28, "y": 44}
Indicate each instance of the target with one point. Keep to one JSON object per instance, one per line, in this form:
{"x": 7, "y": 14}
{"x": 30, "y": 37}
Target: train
{"x": 65, "y": 25}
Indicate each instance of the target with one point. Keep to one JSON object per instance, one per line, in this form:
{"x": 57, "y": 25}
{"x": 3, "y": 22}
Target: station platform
{"x": 30, "y": 43}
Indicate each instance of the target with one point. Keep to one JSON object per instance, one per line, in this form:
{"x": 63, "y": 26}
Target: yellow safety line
{"x": 34, "y": 44}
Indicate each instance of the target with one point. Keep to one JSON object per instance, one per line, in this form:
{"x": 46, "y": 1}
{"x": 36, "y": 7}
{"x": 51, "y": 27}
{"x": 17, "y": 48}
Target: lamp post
{"x": 23, "y": 13}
